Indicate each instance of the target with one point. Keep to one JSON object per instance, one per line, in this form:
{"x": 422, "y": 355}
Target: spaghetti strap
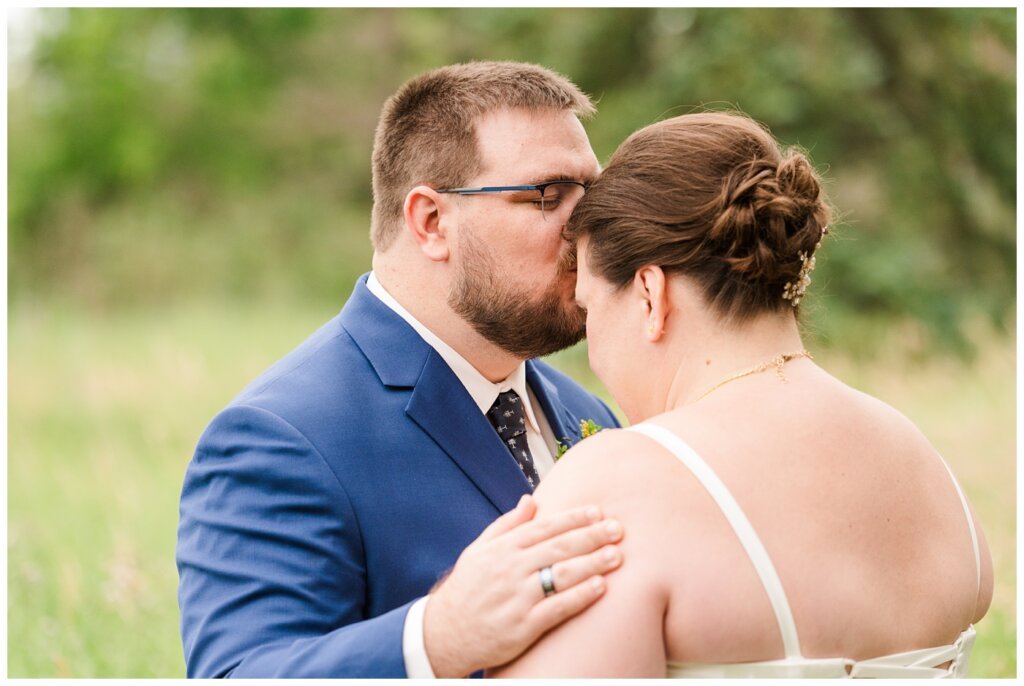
{"x": 740, "y": 524}
{"x": 970, "y": 521}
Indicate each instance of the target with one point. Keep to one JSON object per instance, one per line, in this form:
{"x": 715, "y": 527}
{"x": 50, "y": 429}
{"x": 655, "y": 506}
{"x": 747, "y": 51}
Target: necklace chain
{"x": 778, "y": 361}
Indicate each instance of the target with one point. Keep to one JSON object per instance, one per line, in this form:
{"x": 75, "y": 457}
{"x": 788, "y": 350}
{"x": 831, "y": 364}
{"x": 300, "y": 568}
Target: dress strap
{"x": 970, "y": 521}
{"x": 740, "y": 524}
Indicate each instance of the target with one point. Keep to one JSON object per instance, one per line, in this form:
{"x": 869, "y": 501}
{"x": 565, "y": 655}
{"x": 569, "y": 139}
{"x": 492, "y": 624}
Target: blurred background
{"x": 189, "y": 196}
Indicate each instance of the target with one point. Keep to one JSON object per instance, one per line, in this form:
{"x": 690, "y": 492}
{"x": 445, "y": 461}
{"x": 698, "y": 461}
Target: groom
{"x": 324, "y": 503}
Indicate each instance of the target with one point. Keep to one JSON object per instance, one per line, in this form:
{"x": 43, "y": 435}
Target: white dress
{"x": 915, "y": 663}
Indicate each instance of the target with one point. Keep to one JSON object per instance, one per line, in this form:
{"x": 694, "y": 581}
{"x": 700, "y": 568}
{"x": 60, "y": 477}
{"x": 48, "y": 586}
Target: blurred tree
{"x": 160, "y": 153}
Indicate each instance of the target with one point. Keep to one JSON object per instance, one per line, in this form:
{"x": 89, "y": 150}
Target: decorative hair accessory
{"x": 794, "y": 290}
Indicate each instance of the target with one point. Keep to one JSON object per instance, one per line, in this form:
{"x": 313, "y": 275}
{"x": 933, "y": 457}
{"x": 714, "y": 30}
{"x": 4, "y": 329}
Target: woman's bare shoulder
{"x": 871, "y": 421}
{"x": 607, "y": 470}
{"x": 635, "y": 480}
{"x": 610, "y": 466}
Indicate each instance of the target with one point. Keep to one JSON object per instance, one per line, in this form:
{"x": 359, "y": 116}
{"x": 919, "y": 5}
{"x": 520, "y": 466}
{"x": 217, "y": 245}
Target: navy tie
{"x": 509, "y": 419}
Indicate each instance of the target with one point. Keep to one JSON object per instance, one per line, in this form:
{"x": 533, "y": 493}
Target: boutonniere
{"x": 588, "y": 427}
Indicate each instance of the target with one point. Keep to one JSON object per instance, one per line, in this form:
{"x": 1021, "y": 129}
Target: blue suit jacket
{"x": 334, "y": 491}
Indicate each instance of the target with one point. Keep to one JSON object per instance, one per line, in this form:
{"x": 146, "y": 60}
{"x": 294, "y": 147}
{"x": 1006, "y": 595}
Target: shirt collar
{"x": 483, "y": 391}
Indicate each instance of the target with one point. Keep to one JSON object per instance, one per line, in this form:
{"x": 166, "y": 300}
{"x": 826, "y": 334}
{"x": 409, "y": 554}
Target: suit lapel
{"x": 443, "y": 408}
{"x": 564, "y": 424}
{"x": 439, "y": 403}
{"x": 392, "y": 347}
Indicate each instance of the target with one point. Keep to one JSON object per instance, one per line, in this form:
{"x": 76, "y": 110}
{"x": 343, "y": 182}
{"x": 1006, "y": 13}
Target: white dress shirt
{"x": 539, "y": 436}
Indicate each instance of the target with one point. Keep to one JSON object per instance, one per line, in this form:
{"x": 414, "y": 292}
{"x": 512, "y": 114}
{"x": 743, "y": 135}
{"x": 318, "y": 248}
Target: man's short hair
{"x": 426, "y": 133}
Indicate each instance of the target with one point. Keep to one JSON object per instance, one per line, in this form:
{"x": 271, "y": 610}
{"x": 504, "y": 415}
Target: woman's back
{"x": 857, "y": 512}
{"x": 695, "y": 248}
{"x": 855, "y": 508}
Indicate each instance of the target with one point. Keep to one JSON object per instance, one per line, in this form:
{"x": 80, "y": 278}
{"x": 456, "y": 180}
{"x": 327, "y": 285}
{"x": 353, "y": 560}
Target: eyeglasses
{"x": 554, "y": 199}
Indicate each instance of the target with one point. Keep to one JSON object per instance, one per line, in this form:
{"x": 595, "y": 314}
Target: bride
{"x": 780, "y": 523}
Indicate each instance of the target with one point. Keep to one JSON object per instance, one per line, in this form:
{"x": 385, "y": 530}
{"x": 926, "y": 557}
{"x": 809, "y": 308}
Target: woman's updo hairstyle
{"x": 713, "y": 197}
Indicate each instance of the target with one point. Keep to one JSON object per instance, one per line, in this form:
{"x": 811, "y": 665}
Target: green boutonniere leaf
{"x": 588, "y": 427}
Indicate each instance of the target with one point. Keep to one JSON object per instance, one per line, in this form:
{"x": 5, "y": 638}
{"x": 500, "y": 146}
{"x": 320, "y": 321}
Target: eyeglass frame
{"x": 482, "y": 190}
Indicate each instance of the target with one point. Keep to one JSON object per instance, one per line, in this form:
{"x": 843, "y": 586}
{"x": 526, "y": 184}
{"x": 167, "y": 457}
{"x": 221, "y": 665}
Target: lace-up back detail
{"x": 916, "y": 663}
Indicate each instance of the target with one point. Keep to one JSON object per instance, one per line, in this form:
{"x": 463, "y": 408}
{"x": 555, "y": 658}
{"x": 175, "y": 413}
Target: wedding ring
{"x": 547, "y": 581}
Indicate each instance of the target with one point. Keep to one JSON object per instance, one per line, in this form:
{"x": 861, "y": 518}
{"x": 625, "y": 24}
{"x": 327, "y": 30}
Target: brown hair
{"x": 711, "y": 196}
{"x": 426, "y": 131}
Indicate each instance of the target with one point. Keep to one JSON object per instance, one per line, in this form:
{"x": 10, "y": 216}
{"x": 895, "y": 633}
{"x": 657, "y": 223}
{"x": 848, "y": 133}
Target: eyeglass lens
{"x": 558, "y": 199}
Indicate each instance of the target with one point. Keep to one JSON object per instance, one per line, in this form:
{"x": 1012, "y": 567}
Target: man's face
{"x": 515, "y": 276}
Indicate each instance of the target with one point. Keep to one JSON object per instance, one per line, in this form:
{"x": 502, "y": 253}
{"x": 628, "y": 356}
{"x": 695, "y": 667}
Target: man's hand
{"x": 492, "y": 607}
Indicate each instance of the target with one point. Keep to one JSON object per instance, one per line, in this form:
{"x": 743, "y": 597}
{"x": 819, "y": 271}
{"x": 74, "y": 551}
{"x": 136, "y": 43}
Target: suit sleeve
{"x": 270, "y": 561}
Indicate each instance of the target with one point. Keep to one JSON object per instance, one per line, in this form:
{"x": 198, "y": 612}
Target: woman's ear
{"x": 422, "y": 212}
{"x": 650, "y": 286}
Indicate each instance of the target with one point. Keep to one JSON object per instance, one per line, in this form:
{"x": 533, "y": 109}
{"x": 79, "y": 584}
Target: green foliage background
{"x": 189, "y": 196}
{"x": 160, "y": 155}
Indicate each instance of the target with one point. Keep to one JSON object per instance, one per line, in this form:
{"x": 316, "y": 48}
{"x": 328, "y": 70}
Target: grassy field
{"x": 104, "y": 411}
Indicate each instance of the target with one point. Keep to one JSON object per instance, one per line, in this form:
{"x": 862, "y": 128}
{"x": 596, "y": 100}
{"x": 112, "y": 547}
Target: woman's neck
{"x": 712, "y": 351}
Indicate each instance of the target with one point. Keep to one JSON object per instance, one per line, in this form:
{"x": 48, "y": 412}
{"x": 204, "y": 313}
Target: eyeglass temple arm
{"x": 488, "y": 189}
{"x": 498, "y": 189}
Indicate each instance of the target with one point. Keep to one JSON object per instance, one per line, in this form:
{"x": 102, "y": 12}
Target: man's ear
{"x": 650, "y": 286}
{"x": 422, "y": 213}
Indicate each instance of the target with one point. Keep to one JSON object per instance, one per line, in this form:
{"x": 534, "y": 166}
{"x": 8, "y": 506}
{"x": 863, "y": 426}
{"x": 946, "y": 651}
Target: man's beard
{"x": 524, "y": 328}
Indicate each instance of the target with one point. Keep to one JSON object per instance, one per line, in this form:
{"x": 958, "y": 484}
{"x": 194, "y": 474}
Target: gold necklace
{"x": 776, "y": 362}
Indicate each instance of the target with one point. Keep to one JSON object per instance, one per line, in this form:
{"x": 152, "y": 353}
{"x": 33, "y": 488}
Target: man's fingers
{"x": 575, "y": 543}
{"x": 579, "y": 569}
{"x": 547, "y": 527}
{"x": 522, "y": 512}
{"x": 559, "y": 607}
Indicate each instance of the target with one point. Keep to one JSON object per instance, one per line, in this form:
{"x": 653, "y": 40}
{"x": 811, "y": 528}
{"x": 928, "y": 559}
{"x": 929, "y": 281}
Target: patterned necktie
{"x": 509, "y": 419}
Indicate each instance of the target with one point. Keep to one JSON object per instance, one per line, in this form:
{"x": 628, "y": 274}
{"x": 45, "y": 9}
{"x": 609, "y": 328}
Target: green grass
{"x": 104, "y": 410}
